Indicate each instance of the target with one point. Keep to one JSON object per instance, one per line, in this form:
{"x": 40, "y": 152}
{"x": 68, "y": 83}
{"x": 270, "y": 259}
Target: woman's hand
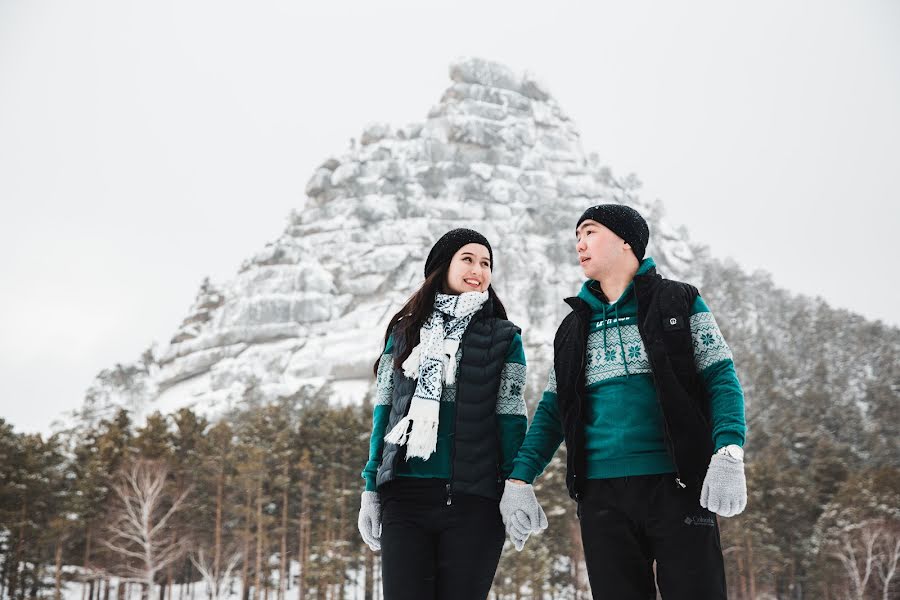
{"x": 522, "y": 514}
{"x": 369, "y": 521}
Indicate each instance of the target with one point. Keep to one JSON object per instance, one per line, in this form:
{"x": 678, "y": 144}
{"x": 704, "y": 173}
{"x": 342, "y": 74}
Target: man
{"x": 644, "y": 392}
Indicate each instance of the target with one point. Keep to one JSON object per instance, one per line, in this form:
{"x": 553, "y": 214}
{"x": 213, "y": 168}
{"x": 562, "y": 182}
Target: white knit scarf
{"x": 433, "y": 363}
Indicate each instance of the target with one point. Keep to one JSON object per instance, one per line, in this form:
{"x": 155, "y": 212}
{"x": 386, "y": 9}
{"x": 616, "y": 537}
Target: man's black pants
{"x": 627, "y": 523}
{"x": 434, "y": 551}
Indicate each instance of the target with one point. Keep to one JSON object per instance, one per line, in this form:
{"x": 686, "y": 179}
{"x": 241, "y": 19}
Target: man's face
{"x": 598, "y": 248}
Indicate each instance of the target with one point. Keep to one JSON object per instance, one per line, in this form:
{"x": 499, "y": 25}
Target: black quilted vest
{"x": 664, "y": 315}
{"x": 475, "y": 454}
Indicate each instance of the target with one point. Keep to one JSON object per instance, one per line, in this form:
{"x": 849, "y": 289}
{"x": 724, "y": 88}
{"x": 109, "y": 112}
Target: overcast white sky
{"x": 146, "y": 145}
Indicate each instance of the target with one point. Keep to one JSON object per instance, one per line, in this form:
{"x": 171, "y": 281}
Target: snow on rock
{"x": 308, "y": 311}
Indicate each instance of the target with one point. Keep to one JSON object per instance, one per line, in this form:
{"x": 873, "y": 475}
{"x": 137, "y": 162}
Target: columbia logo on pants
{"x": 707, "y": 521}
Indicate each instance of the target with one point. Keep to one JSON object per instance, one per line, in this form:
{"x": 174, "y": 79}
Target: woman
{"x": 448, "y": 421}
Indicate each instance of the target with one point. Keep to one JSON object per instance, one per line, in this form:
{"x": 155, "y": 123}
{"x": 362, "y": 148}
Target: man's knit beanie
{"x": 624, "y": 221}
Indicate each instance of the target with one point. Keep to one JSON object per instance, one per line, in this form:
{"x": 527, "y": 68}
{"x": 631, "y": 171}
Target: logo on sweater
{"x": 670, "y": 323}
{"x": 703, "y": 521}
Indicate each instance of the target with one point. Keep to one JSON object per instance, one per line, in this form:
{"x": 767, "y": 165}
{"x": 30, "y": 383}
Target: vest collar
{"x": 643, "y": 283}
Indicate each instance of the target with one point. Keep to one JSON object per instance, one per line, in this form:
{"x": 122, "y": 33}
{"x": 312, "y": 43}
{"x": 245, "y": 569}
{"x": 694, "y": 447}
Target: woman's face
{"x": 469, "y": 270}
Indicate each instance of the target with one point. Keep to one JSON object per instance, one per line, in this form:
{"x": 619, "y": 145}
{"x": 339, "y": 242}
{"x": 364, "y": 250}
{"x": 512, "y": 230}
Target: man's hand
{"x": 724, "y": 489}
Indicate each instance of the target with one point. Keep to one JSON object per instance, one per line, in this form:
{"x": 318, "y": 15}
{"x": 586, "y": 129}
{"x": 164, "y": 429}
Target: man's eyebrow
{"x": 584, "y": 226}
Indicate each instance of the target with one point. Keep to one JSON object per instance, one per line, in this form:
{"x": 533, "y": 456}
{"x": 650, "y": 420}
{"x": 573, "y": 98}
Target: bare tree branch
{"x": 139, "y": 525}
{"x": 214, "y": 581}
{"x": 123, "y": 551}
{"x": 862, "y": 537}
{"x": 887, "y": 566}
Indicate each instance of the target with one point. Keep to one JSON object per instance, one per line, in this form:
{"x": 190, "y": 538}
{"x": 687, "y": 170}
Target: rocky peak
{"x": 496, "y": 153}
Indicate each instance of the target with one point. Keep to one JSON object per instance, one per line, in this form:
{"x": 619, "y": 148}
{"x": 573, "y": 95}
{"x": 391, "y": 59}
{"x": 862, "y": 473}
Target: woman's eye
{"x": 467, "y": 259}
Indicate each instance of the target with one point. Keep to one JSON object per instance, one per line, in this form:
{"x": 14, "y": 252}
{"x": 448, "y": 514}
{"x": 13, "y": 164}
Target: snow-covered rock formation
{"x": 496, "y": 153}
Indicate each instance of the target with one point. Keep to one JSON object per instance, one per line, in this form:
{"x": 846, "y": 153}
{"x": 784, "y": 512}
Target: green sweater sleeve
{"x": 715, "y": 363}
{"x": 512, "y": 419}
{"x": 384, "y": 383}
{"x": 543, "y": 437}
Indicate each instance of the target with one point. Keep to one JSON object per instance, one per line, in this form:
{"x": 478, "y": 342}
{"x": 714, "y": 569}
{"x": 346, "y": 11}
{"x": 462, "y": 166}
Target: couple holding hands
{"x": 643, "y": 391}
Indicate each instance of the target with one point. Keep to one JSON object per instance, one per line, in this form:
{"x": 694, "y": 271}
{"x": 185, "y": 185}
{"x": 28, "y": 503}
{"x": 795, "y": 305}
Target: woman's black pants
{"x": 431, "y": 550}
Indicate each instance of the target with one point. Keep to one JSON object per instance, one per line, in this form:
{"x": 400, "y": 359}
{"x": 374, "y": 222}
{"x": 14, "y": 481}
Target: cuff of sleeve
{"x": 370, "y": 484}
{"x": 521, "y": 473}
{"x": 727, "y": 438}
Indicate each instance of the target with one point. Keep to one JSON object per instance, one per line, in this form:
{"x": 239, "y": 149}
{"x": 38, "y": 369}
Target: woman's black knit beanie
{"x": 444, "y": 249}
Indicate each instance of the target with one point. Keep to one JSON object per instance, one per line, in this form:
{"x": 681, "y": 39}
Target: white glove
{"x": 724, "y": 489}
{"x": 522, "y": 514}
{"x": 369, "y": 521}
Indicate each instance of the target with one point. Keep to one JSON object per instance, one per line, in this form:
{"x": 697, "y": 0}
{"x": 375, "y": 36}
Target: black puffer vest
{"x": 475, "y": 454}
{"x": 664, "y": 315}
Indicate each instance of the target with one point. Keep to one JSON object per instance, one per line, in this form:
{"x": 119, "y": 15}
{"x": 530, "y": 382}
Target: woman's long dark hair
{"x": 406, "y": 322}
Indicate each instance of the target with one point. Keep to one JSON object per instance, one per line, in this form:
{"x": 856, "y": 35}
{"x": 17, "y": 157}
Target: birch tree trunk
{"x": 283, "y": 566}
{"x": 139, "y": 532}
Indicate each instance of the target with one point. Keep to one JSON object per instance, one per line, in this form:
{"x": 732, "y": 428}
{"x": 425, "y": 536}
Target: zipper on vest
{"x": 586, "y": 329}
{"x": 670, "y": 446}
{"x": 672, "y": 449}
{"x": 449, "y": 486}
{"x": 455, "y": 416}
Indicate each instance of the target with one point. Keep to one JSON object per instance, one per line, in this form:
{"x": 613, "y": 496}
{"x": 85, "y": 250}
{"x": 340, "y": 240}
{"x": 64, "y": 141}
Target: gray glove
{"x": 724, "y": 489}
{"x": 518, "y": 529}
{"x": 369, "y": 521}
{"x": 521, "y": 513}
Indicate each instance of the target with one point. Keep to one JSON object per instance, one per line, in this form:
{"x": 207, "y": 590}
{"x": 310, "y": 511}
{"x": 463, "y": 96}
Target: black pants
{"x": 628, "y": 522}
{"x": 432, "y": 551}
